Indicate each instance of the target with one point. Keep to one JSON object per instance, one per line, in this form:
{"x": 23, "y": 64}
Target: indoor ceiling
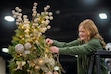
{"x": 67, "y": 16}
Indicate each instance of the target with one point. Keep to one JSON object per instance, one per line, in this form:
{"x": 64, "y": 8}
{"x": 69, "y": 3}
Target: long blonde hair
{"x": 92, "y": 30}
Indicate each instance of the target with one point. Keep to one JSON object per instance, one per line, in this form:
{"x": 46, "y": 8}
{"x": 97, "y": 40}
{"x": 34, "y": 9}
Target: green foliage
{"x": 29, "y": 50}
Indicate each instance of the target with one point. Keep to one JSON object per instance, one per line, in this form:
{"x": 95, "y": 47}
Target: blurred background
{"x": 64, "y": 27}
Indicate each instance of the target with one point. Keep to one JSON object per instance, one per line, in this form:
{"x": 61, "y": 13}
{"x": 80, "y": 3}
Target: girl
{"x": 89, "y": 41}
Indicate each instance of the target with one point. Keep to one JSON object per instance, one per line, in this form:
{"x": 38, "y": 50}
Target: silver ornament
{"x": 19, "y": 48}
{"x": 27, "y": 46}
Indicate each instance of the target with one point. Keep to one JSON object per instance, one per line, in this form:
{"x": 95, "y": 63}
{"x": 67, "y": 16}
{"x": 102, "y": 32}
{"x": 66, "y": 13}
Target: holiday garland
{"x": 29, "y": 50}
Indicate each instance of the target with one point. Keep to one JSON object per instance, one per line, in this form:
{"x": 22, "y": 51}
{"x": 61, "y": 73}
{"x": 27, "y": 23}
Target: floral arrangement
{"x": 29, "y": 50}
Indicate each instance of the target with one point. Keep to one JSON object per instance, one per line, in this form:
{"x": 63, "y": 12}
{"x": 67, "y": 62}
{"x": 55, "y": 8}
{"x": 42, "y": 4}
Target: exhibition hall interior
{"x": 67, "y": 15}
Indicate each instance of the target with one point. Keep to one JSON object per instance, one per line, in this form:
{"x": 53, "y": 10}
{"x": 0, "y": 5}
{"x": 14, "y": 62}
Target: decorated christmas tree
{"x": 30, "y": 52}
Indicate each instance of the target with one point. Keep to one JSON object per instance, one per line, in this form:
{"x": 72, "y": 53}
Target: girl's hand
{"x": 54, "y": 49}
{"x": 49, "y": 41}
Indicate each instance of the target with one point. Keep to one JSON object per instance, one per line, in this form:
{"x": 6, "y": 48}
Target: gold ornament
{"x": 47, "y": 50}
{"x": 32, "y": 63}
{"x": 20, "y": 64}
{"x": 40, "y": 61}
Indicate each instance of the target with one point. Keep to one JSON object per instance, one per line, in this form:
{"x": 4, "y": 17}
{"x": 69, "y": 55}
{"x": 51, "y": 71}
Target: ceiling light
{"x": 9, "y": 18}
{"x": 5, "y": 50}
{"x": 57, "y": 12}
{"x": 103, "y": 16}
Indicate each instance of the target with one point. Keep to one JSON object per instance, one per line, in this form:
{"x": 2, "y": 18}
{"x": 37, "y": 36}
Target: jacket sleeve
{"x": 64, "y": 44}
{"x": 83, "y": 49}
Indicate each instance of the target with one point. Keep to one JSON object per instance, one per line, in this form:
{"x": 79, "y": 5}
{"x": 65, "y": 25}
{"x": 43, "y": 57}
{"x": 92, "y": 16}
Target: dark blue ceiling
{"x": 65, "y": 24}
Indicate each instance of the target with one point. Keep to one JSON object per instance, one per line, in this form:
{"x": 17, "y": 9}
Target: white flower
{"x": 48, "y": 27}
{"x": 36, "y": 20}
{"x": 20, "y": 14}
{"x": 14, "y": 16}
{"x": 35, "y": 12}
{"x": 47, "y": 22}
{"x": 43, "y": 22}
{"x": 39, "y": 34}
{"x": 48, "y": 6}
{"x": 43, "y": 29}
{"x": 38, "y": 14}
{"x": 16, "y": 13}
{"x": 51, "y": 18}
{"x": 27, "y": 30}
{"x": 35, "y": 4}
{"x": 46, "y": 13}
{"x": 50, "y": 13}
{"x": 45, "y": 8}
{"x": 13, "y": 11}
{"x": 20, "y": 10}
{"x": 19, "y": 19}
{"x": 17, "y": 23}
{"x": 47, "y": 17}
{"x": 27, "y": 36}
{"x": 42, "y": 13}
{"x": 17, "y": 8}
{"x": 24, "y": 16}
{"x": 34, "y": 7}
{"x": 35, "y": 24}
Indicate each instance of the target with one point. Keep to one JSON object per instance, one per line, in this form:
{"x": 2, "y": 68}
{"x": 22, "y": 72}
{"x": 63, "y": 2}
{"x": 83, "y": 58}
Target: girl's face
{"x": 82, "y": 34}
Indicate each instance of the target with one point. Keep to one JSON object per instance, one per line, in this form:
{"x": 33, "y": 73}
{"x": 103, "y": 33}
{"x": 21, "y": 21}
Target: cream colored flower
{"x": 47, "y": 17}
{"x": 17, "y": 23}
{"x": 48, "y": 27}
{"x": 17, "y": 8}
{"x": 51, "y": 18}
{"x": 24, "y": 16}
{"x": 20, "y": 14}
{"x": 35, "y": 4}
{"x": 42, "y": 13}
{"x": 47, "y": 22}
{"x": 48, "y": 6}
{"x": 50, "y": 14}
